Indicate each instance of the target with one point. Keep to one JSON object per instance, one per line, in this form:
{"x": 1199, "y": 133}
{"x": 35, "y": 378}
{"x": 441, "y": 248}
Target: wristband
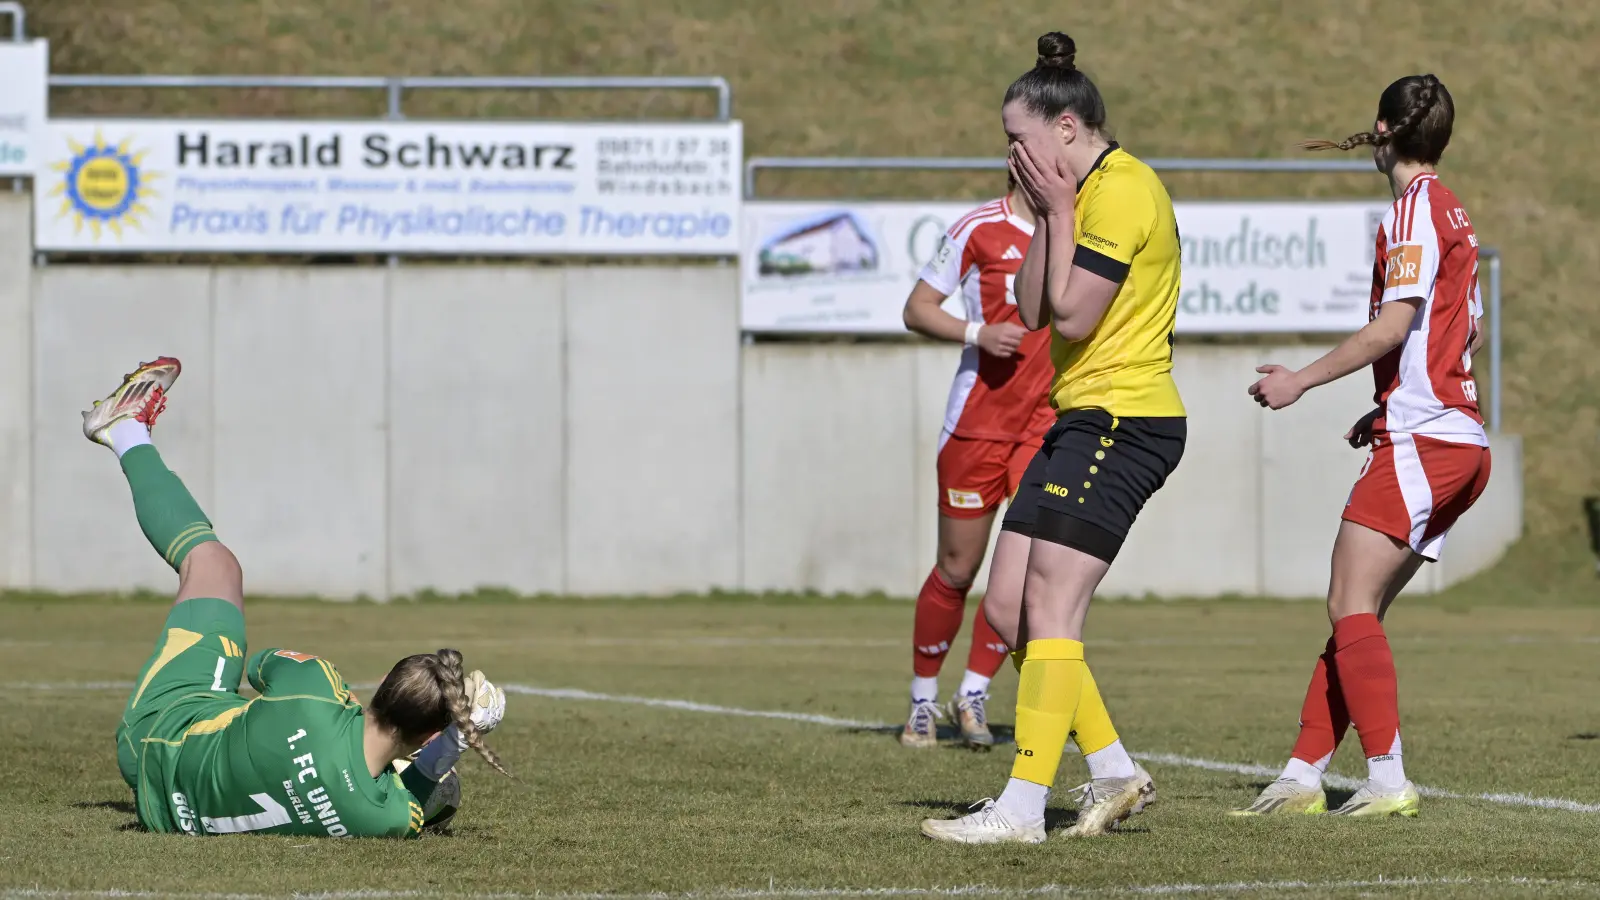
{"x": 439, "y": 755}
{"x": 971, "y": 338}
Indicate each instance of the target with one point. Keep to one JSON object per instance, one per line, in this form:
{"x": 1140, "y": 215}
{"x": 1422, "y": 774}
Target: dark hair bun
{"x": 1056, "y": 51}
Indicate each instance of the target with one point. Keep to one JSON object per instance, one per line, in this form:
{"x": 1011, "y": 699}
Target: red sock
{"x": 1323, "y": 717}
{"x": 1366, "y": 677}
{"x": 938, "y": 618}
{"x": 988, "y": 652}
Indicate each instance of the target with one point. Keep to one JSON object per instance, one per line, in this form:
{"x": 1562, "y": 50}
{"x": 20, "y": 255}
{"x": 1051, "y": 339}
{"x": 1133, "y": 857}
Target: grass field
{"x": 643, "y": 769}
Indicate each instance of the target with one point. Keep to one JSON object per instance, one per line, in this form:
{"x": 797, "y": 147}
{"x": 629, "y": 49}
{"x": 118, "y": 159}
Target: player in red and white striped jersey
{"x": 1429, "y": 460}
{"x": 997, "y": 414}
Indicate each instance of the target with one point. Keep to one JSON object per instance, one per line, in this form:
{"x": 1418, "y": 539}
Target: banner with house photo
{"x": 1248, "y": 267}
{"x": 837, "y": 268}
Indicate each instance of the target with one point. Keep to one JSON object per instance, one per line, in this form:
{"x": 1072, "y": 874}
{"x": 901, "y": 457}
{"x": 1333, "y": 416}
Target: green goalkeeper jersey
{"x": 290, "y": 761}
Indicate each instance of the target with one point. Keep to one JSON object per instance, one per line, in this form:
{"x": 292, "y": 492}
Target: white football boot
{"x": 922, "y": 726}
{"x": 970, "y": 715}
{"x": 1286, "y": 797}
{"x": 985, "y": 826}
{"x": 1104, "y": 802}
{"x": 142, "y": 396}
{"x": 1376, "y": 801}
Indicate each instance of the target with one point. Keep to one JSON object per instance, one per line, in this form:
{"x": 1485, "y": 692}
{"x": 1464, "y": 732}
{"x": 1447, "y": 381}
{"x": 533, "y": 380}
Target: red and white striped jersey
{"x": 993, "y": 398}
{"x": 1428, "y": 250}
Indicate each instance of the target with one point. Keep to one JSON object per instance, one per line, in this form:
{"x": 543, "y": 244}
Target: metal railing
{"x": 566, "y": 83}
{"x": 291, "y": 82}
{"x": 1492, "y": 310}
{"x": 395, "y": 87}
{"x": 19, "y": 19}
{"x": 980, "y": 163}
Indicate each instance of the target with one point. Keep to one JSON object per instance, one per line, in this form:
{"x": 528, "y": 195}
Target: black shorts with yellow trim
{"x": 1094, "y": 473}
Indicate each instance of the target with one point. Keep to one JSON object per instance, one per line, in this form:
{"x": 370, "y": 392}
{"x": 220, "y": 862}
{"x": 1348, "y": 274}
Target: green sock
{"x": 172, "y": 522}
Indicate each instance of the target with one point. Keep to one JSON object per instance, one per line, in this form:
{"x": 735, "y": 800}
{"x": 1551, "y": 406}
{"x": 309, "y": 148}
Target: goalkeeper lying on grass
{"x": 304, "y": 758}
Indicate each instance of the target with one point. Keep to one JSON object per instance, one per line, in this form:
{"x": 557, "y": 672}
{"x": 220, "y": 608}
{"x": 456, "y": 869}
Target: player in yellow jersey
{"x": 1102, "y": 272}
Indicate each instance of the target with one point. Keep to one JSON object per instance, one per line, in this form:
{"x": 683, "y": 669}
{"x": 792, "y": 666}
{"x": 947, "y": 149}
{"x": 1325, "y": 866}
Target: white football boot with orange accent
{"x": 1103, "y": 803}
{"x": 971, "y": 716}
{"x": 142, "y": 396}
{"x": 922, "y": 725}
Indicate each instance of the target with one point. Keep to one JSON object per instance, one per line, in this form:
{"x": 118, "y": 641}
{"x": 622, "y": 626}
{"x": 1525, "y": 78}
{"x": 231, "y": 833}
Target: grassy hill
{"x": 1225, "y": 78}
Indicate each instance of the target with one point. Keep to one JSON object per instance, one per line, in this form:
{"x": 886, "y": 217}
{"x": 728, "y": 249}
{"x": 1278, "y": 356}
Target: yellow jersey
{"x": 1126, "y": 232}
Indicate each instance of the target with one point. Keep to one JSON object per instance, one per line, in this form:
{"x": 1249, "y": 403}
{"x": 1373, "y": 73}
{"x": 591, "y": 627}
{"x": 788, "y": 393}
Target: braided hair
{"x": 426, "y": 693}
{"x": 453, "y": 688}
{"x": 1420, "y": 115}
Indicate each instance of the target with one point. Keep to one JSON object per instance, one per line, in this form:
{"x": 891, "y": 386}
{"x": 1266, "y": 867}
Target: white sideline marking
{"x": 1340, "y": 781}
{"x": 67, "y": 685}
{"x": 1337, "y": 781}
{"x": 1170, "y": 759}
{"x": 732, "y": 641}
{"x": 689, "y": 706}
{"x": 713, "y": 641}
{"x": 778, "y": 893}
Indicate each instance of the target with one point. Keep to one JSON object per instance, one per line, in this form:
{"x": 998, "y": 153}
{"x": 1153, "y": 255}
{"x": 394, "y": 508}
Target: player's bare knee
{"x": 211, "y": 570}
{"x": 212, "y": 559}
{"x": 959, "y": 566}
{"x": 1346, "y": 602}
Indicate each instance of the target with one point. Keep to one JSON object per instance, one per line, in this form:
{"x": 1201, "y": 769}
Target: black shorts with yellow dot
{"x": 1091, "y": 477}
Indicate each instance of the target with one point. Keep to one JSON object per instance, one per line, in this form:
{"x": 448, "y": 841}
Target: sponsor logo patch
{"x": 1098, "y": 242}
{"x": 1404, "y": 266}
{"x": 295, "y": 655}
{"x": 964, "y": 499}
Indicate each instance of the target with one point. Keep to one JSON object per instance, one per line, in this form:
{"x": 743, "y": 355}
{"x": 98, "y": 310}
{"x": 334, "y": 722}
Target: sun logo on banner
{"x": 104, "y": 185}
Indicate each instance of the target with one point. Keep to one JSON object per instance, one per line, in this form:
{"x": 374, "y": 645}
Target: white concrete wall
{"x": 16, "y": 400}
{"x": 652, "y": 429}
{"x": 476, "y": 402}
{"x": 830, "y": 488}
{"x": 587, "y": 430}
{"x": 91, "y": 325}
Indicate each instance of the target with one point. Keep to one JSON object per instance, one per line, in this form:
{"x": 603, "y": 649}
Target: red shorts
{"x": 976, "y": 475}
{"x": 1414, "y": 488}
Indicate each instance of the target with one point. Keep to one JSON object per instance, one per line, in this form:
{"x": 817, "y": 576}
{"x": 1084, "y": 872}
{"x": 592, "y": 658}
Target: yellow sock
{"x": 1047, "y": 699}
{"x": 1091, "y": 727}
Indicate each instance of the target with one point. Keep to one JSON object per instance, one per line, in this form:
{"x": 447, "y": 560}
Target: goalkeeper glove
{"x": 439, "y": 756}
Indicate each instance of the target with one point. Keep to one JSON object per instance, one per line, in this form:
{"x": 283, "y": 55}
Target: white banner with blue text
{"x": 846, "y": 268}
{"x": 444, "y": 187}
{"x": 24, "y": 79}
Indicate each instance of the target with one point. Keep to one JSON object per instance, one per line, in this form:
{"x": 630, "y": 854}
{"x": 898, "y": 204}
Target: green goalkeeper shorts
{"x": 193, "y": 674}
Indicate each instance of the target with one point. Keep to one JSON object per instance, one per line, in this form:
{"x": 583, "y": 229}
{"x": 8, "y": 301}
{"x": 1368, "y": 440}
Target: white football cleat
{"x": 922, "y": 725}
{"x": 1373, "y": 800}
{"x": 1104, "y": 802}
{"x": 970, "y": 715}
{"x": 986, "y": 826}
{"x": 1286, "y": 797}
{"x": 142, "y": 396}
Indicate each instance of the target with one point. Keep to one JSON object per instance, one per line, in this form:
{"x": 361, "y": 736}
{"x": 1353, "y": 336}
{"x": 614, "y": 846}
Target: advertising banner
{"x": 24, "y": 102}
{"x": 1301, "y": 266}
{"x": 447, "y": 187}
